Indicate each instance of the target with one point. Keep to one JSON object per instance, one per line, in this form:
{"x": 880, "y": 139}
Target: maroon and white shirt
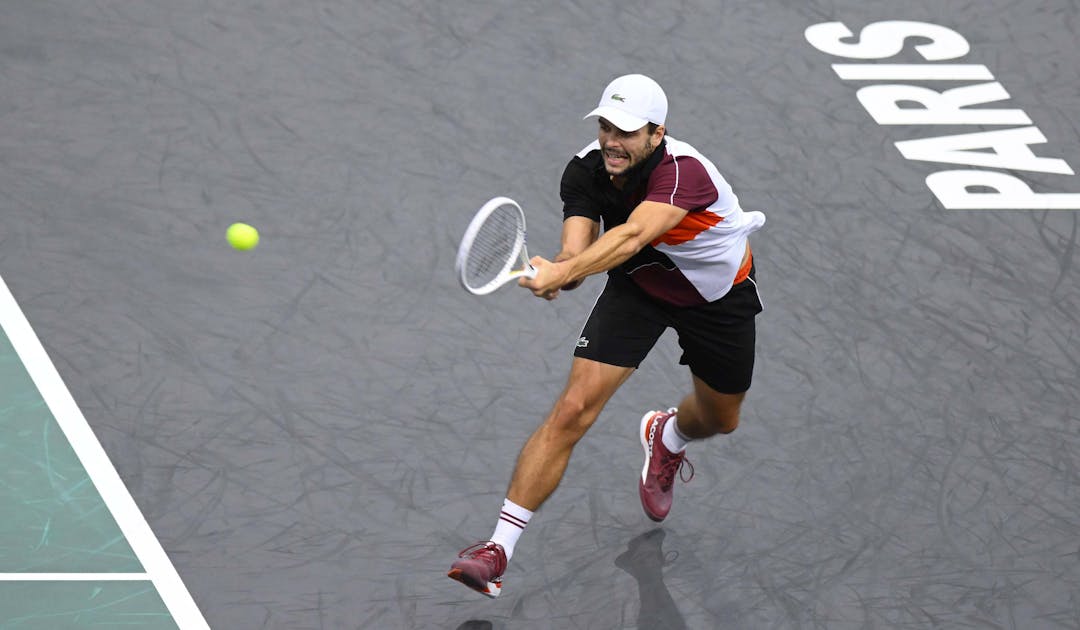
{"x": 697, "y": 261}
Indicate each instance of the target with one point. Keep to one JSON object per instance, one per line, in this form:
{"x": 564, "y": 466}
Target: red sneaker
{"x": 480, "y": 567}
{"x": 658, "y": 475}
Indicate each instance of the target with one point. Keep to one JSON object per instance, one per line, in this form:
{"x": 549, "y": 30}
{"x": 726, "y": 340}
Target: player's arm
{"x": 645, "y": 224}
{"x": 578, "y": 233}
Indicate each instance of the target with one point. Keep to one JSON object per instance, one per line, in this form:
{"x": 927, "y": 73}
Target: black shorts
{"x": 717, "y": 338}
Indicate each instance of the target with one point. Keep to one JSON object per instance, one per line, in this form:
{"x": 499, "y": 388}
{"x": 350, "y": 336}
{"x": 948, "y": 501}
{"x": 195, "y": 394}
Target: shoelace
{"x": 668, "y": 467}
{"x": 475, "y": 549}
{"x": 492, "y": 559}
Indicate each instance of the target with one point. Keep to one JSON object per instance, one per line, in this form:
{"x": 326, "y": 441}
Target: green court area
{"x": 64, "y": 561}
{"x": 81, "y": 604}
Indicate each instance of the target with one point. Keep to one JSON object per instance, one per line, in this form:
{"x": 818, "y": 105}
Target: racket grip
{"x": 529, "y": 271}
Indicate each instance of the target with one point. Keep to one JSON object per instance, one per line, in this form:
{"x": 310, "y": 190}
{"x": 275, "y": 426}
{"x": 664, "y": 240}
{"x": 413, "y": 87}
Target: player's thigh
{"x": 590, "y": 386}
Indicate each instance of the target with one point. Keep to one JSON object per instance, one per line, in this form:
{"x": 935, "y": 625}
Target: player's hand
{"x": 550, "y": 278}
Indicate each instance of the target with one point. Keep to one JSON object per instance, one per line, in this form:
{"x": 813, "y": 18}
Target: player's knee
{"x": 570, "y": 418}
{"x": 726, "y": 423}
{"x": 723, "y": 419}
{"x": 720, "y": 412}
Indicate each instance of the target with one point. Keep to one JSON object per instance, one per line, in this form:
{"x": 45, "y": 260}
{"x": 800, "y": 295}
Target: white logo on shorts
{"x": 583, "y": 342}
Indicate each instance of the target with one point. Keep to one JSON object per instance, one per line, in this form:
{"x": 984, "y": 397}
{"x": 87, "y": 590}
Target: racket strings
{"x": 495, "y": 247}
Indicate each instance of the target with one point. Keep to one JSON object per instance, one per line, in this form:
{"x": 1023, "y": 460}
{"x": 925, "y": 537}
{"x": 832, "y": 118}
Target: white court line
{"x": 74, "y": 577}
{"x": 146, "y": 546}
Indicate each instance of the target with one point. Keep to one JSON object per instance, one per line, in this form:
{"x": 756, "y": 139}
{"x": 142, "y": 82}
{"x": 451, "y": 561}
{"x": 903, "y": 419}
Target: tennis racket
{"x": 492, "y": 252}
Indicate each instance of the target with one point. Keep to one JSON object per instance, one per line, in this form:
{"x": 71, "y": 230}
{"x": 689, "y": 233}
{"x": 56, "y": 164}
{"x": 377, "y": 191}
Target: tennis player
{"x": 676, "y": 252}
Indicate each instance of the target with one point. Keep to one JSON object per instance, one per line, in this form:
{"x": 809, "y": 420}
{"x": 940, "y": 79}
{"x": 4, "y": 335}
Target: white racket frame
{"x": 520, "y": 251}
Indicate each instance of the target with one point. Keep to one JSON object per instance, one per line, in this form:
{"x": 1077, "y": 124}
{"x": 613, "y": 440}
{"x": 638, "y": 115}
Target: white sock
{"x": 512, "y": 521}
{"x": 674, "y": 440}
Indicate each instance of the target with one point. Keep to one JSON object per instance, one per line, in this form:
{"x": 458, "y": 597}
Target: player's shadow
{"x": 644, "y": 561}
{"x": 476, "y": 624}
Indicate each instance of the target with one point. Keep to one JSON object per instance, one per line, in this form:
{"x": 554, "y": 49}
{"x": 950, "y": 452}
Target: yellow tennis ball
{"x": 242, "y": 236}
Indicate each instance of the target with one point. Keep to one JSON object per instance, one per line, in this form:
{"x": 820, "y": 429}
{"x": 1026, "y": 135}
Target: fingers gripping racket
{"x": 493, "y": 252}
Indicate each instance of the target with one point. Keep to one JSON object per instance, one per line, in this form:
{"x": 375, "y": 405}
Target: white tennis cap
{"x": 632, "y": 100}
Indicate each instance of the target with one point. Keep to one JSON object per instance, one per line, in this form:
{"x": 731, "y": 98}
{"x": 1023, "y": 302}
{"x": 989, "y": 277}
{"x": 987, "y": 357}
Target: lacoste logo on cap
{"x": 618, "y": 97}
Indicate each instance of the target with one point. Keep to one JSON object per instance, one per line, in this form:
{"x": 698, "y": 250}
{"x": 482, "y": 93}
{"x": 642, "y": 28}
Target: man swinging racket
{"x": 675, "y": 248}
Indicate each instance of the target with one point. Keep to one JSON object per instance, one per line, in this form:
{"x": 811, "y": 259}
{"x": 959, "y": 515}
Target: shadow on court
{"x": 475, "y": 625}
{"x": 644, "y": 560}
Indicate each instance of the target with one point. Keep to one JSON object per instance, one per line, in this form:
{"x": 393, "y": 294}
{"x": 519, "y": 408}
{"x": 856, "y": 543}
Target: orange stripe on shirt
{"x": 747, "y": 264}
{"x": 693, "y": 223}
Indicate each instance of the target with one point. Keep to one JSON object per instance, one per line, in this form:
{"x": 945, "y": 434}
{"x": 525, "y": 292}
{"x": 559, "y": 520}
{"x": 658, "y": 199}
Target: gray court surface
{"x": 313, "y": 429}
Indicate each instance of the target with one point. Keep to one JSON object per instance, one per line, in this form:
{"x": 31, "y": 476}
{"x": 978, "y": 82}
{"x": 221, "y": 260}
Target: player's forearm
{"x": 578, "y": 233}
{"x": 612, "y": 249}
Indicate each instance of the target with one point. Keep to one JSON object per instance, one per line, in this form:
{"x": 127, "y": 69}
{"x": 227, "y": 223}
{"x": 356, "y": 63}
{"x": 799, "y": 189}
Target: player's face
{"x": 624, "y": 150}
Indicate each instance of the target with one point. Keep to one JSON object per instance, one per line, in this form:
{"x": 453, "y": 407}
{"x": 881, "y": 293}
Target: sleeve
{"x": 575, "y": 192}
{"x": 682, "y": 182}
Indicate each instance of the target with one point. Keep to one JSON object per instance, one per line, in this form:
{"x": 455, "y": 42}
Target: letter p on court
{"x": 1008, "y": 193}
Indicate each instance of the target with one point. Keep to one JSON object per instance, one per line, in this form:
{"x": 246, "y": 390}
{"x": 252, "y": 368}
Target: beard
{"x": 637, "y": 162}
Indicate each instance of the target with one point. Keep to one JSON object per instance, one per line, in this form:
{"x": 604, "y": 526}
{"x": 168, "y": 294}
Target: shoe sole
{"x": 643, "y": 435}
{"x": 491, "y": 589}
